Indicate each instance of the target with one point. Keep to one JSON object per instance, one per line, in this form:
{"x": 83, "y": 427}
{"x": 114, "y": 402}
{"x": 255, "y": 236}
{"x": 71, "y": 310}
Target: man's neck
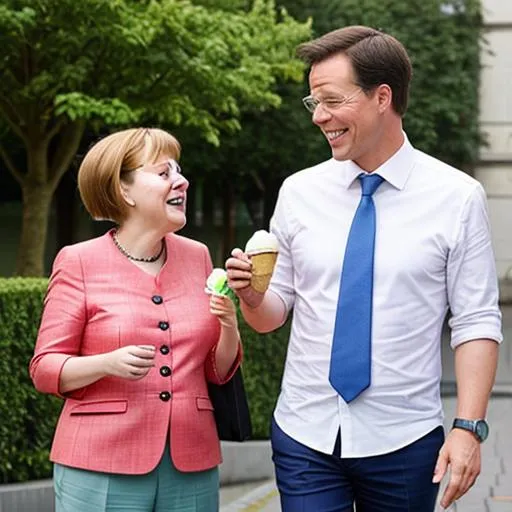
{"x": 390, "y": 141}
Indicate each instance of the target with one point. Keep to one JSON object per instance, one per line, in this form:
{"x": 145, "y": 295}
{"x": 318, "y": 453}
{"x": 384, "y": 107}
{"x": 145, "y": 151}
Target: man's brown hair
{"x": 377, "y": 58}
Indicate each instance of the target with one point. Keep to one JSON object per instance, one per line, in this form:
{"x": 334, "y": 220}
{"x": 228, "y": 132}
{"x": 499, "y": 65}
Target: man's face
{"x": 350, "y": 119}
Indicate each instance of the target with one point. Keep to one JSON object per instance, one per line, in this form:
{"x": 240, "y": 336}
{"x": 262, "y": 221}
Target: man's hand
{"x": 238, "y": 269}
{"x": 460, "y": 451}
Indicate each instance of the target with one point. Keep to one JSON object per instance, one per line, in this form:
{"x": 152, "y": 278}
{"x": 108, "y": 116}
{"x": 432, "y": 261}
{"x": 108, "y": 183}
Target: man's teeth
{"x": 337, "y": 133}
{"x": 177, "y": 201}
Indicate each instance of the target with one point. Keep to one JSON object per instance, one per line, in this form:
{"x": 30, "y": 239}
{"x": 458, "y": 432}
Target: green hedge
{"x": 28, "y": 418}
{"x": 264, "y": 356}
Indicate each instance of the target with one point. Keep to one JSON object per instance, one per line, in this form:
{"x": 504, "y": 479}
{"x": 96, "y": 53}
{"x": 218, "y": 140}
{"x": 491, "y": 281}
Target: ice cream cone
{"x": 262, "y": 269}
{"x": 217, "y": 284}
{"x": 263, "y": 249}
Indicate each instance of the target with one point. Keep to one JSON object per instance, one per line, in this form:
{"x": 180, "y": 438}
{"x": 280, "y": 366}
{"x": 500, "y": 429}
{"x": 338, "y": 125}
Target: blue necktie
{"x": 350, "y": 371}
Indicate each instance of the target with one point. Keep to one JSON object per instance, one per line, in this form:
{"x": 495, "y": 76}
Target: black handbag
{"x": 231, "y": 409}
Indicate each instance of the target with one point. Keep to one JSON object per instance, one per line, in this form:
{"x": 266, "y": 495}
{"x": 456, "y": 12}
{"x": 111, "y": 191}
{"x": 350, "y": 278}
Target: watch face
{"x": 482, "y": 430}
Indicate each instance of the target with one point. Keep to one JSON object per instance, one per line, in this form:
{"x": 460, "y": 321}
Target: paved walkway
{"x": 491, "y": 493}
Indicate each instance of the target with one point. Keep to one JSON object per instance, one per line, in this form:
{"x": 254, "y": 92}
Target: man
{"x": 376, "y": 245}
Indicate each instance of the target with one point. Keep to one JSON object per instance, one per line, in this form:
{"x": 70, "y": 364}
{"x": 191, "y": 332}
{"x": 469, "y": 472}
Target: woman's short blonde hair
{"x": 111, "y": 161}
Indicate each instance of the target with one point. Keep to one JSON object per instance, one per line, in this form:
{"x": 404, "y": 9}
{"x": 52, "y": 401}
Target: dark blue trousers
{"x": 400, "y": 481}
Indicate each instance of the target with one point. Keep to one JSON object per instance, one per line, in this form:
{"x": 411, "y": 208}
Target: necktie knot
{"x": 370, "y": 183}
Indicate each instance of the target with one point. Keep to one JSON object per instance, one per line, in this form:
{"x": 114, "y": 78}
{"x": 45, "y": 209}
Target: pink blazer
{"x": 98, "y": 301}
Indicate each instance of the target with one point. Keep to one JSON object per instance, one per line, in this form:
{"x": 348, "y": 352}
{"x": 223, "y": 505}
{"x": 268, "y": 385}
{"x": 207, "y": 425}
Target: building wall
{"x": 495, "y": 168}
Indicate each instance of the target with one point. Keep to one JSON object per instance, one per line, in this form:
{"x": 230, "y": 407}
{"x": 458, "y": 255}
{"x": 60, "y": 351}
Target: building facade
{"x": 495, "y": 167}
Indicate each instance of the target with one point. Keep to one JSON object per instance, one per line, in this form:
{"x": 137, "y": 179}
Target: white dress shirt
{"x": 433, "y": 253}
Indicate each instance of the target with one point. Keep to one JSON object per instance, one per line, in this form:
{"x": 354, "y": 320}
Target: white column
{"x": 494, "y": 170}
{"x": 495, "y": 167}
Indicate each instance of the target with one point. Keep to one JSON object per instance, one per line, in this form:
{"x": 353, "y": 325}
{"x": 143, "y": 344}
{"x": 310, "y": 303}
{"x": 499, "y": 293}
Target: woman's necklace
{"x": 123, "y": 251}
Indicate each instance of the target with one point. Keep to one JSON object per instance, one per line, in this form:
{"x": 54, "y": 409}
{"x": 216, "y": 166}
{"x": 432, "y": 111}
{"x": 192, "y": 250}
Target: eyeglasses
{"x": 164, "y": 169}
{"x": 329, "y": 104}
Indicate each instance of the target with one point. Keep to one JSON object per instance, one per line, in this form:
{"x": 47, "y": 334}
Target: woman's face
{"x": 158, "y": 194}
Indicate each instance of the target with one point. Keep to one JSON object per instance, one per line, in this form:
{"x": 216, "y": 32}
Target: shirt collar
{"x": 395, "y": 170}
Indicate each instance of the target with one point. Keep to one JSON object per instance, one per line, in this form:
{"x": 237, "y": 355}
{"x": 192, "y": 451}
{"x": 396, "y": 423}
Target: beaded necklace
{"x": 123, "y": 251}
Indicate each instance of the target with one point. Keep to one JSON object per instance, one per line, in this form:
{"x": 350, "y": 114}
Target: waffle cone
{"x": 262, "y": 267}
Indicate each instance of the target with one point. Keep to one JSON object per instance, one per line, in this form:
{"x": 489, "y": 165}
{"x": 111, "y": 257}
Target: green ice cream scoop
{"x": 217, "y": 283}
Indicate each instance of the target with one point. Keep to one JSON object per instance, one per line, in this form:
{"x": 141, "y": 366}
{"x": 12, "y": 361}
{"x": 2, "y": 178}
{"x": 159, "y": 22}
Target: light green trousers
{"x": 165, "y": 489}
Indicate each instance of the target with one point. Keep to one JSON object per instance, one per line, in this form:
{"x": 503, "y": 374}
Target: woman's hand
{"x": 223, "y": 308}
{"x": 229, "y": 340}
{"x": 132, "y": 362}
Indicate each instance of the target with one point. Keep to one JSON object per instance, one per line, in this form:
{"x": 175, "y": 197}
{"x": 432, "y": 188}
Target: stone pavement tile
{"x": 264, "y": 498}
{"x": 471, "y": 502}
{"x": 499, "y": 504}
{"x": 500, "y": 498}
{"x": 233, "y": 492}
{"x": 503, "y": 490}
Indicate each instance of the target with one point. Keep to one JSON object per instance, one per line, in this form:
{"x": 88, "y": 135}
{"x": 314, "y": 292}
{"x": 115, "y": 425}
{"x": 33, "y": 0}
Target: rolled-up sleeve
{"x": 472, "y": 282}
{"x": 62, "y": 322}
{"x": 211, "y": 368}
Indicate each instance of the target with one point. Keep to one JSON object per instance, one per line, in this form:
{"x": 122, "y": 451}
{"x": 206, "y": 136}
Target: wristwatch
{"x": 480, "y": 428}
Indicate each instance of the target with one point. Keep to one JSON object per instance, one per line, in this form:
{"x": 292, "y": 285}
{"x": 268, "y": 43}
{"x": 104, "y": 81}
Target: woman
{"x": 129, "y": 339}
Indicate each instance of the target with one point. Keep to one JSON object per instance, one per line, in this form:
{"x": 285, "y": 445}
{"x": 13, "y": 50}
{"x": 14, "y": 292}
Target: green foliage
{"x": 444, "y": 40}
{"x": 28, "y": 418}
{"x": 263, "y": 365}
{"x": 81, "y": 106}
{"x": 68, "y": 66}
{"x": 172, "y": 61}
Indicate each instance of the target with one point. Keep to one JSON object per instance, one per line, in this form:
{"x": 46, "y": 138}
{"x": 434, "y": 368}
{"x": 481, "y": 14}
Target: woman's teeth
{"x": 176, "y": 201}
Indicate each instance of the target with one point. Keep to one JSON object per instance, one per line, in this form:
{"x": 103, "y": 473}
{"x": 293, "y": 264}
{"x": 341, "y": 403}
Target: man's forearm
{"x": 268, "y": 315}
{"x": 475, "y": 371}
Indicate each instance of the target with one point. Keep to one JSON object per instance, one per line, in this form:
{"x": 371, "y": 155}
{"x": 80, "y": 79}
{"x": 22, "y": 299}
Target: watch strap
{"x": 464, "y": 424}
{"x": 479, "y": 428}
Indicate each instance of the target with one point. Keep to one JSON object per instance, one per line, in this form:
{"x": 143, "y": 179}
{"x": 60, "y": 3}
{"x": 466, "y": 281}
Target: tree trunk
{"x": 208, "y": 205}
{"x": 47, "y": 161}
{"x": 253, "y": 206}
{"x": 65, "y": 199}
{"x": 228, "y": 221}
{"x": 269, "y": 200}
{"x": 192, "y": 207}
{"x": 37, "y": 200}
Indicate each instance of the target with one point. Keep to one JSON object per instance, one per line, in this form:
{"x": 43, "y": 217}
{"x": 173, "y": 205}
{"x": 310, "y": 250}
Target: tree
{"x": 70, "y": 65}
{"x": 443, "y": 39}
